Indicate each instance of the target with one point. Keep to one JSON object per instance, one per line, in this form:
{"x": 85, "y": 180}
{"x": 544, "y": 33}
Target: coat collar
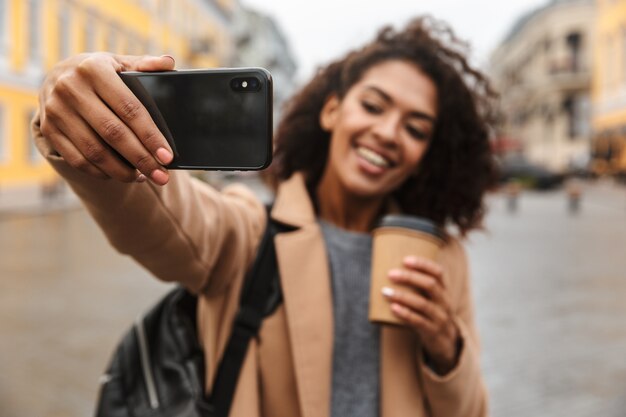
{"x": 293, "y": 205}
{"x": 305, "y": 282}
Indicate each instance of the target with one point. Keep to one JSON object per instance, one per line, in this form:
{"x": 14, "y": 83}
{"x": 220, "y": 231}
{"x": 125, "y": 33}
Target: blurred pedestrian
{"x": 399, "y": 125}
{"x": 573, "y": 190}
{"x": 512, "y": 191}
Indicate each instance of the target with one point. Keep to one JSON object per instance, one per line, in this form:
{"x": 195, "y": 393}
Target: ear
{"x": 329, "y": 113}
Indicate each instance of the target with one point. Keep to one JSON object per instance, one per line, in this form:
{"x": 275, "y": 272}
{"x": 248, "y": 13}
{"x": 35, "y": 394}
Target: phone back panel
{"x": 208, "y": 123}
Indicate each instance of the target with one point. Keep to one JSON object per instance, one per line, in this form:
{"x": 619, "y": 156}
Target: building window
{"x": 111, "y": 41}
{"x": 4, "y": 149}
{"x": 574, "y": 49}
{"x": 153, "y": 47}
{"x": 34, "y": 31}
{"x": 609, "y": 63}
{"x": 145, "y": 47}
{"x": 90, "y": 33}
{"x": 64, "y": 31}
{"x": 4, "y": 27}
{"x": 33, "y": 154}
{"x": 134, "y": 44}
{"x": 624, "y": 54}
{"x": 163, "y": 9}
{"x": 576, "y": 108}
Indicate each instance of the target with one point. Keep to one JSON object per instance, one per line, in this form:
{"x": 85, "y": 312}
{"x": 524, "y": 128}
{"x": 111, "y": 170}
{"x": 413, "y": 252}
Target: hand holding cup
{"x": 408, "y": 288}
{"x": 422, "y": 303}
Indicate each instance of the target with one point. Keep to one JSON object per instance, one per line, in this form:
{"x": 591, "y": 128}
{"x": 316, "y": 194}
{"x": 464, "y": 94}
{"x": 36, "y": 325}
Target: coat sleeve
{"x": 185, "y": 231}
{"x": 461, "y": 392}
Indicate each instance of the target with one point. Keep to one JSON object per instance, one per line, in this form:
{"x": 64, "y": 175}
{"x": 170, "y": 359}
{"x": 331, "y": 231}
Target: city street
{"x": 551, "y": 304}
{"x": 549, "y": 285}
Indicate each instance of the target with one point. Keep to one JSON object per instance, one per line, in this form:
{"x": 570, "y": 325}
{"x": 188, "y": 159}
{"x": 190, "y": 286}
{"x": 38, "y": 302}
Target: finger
{"x": 162, "y": 151}
{"x": 426, "y": 284}
{"x": 146, "y": 62}
{"x": 426, "y": 266}
{"x": 417, "y": 321}
{"x": 415, "y": 302}
{"x": 121, "y": 138}
{"x": 110, "y": 88}
{"x": 72, "y": 155}
{"x": 64, "y": 119}
{"x": 93, "y": 149}
{"x": 76, "y": 88}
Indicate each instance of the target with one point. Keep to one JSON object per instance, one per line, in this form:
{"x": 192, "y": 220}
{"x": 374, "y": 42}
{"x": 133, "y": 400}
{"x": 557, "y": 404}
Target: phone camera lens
{"x": 245, "y": 84}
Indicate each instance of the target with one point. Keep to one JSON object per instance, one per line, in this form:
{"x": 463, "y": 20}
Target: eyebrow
{"x": 414, "y": 113}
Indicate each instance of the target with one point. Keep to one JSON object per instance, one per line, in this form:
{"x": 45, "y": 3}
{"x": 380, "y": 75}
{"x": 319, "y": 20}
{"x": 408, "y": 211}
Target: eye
{"x": 416, "y": 133}
{"x": 371, "y": 107}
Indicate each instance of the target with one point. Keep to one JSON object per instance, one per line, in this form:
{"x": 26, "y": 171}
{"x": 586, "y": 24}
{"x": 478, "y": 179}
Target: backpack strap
{"x": 260, "y": 295}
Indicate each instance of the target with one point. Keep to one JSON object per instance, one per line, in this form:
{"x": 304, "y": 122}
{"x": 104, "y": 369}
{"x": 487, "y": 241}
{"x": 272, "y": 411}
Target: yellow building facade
{"x": 36, "y": 34}
{"x": 609, "y": 88}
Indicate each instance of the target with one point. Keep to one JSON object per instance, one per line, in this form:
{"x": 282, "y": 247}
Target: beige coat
{"x": 190, "y": 233}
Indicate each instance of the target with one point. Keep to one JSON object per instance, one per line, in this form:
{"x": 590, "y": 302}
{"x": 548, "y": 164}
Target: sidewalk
{"x": 605, "y": 192}
{"x": 35, "y": 200}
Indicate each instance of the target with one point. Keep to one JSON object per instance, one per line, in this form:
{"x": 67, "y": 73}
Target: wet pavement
{"x": 550, "y": 290}
{"x": 65, "y": 298}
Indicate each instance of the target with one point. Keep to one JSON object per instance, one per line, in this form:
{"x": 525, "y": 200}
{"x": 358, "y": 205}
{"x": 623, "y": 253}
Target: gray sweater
{"x": 355, "y": 376}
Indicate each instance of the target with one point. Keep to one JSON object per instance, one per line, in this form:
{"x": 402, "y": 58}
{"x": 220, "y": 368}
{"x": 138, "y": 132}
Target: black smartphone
{"x": 214, "y": 119}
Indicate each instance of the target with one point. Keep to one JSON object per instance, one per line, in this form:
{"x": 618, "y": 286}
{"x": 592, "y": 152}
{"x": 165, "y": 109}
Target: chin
{"x": 367, "y": 189}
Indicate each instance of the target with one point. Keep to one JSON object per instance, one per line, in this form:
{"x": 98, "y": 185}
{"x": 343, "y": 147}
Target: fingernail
{"x": 411, "y": 260}
{"x": 159, "y": 177}
{"x": 141, "y": 178}
{"x": 395, "y": 273}
{"x": 164, "y": 156}
{"x": 168, "y": 56}
{"x": 397, "y": 308}
{"x": 388, "y": 291}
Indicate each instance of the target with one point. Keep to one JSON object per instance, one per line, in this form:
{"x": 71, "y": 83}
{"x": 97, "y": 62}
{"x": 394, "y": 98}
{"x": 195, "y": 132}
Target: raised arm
{"x": 185, "y": 231}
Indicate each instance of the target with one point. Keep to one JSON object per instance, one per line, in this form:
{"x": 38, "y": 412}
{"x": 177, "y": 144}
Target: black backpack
{"x": 158, "y": 368}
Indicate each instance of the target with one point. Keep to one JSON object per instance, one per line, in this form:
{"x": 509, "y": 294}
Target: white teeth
{"x": 372, "y": 157}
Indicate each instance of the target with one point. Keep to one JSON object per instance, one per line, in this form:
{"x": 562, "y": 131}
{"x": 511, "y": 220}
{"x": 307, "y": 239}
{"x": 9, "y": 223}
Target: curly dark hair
{"x": 458, "y": 167}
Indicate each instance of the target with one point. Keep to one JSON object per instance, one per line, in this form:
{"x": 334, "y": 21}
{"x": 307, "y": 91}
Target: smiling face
{"x": 380, "y": 130}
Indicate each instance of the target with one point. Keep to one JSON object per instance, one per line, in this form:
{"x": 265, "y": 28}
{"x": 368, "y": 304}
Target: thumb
{"x": 147, "y": 63}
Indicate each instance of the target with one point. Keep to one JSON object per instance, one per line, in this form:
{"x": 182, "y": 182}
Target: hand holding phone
{"x": 215, "y": 119}
{"x": 90, "y": 117}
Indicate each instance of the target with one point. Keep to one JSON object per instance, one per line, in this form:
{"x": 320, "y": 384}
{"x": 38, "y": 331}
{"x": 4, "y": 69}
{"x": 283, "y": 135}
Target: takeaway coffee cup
{"x": 396, "y": 237}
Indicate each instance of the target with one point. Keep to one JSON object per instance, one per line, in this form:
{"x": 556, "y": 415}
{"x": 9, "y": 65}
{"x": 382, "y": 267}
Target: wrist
{"x": 443, "y": 362}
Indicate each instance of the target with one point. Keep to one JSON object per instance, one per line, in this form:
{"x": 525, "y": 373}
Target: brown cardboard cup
{"x": 396, "y": 237}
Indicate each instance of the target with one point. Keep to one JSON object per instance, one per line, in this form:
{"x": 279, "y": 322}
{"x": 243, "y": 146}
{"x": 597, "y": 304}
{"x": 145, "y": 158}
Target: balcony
{"x": 569, "y": 75}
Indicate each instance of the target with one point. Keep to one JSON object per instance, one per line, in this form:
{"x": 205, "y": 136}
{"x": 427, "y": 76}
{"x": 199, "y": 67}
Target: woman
{"x": 399, "y": 125}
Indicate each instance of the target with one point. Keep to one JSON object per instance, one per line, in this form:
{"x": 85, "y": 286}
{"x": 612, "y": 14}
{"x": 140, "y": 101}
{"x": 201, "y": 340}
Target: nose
{"x": 386, "y": 129}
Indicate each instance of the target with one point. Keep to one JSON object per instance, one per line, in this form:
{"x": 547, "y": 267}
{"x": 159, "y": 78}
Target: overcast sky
{"x": 320, "y": 30}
